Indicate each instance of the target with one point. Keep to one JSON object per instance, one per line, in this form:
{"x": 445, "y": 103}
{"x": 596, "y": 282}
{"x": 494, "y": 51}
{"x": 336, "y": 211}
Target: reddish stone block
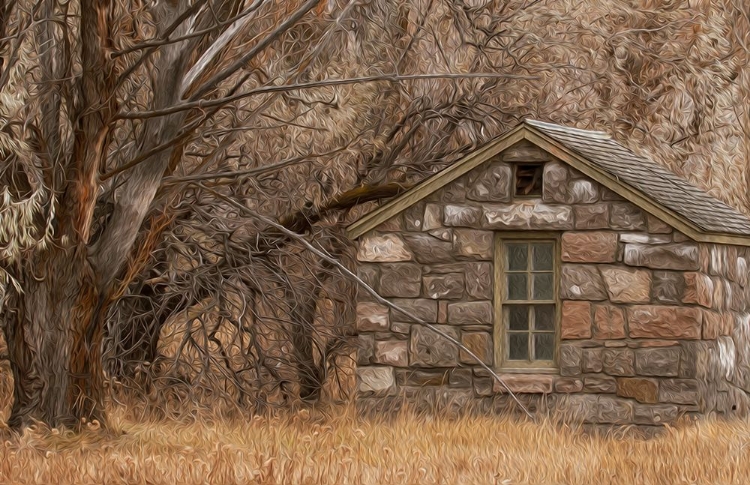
{"x": 589, "y": 247}
{"x": 372, "y": 317}
{"x": 626, "y": 285}
{"x": 651, "y": 321}
{"x": 699, "y": 289}
{"x": 712, "y": 324}
{"x": 609, "y": 322}
{"x": 576, "y": 320}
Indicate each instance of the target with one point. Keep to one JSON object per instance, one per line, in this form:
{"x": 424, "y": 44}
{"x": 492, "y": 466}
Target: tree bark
{"x": 54, "y": 342}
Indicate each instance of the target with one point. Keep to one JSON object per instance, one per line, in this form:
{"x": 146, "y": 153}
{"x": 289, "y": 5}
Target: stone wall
{"x": 653, "y": 325}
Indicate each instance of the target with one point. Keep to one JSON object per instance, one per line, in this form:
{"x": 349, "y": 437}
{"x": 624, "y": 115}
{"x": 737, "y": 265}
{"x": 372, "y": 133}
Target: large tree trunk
{"x": 54, "y": 342}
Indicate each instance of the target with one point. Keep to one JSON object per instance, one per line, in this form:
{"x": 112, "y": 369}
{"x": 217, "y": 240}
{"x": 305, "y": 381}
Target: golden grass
{"x": 339, "y": 447}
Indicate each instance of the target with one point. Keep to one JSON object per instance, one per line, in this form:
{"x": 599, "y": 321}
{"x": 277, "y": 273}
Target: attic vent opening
{"x": 528, "y": 177}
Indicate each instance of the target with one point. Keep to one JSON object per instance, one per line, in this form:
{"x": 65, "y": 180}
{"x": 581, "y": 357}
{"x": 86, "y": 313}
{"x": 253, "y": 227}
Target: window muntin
{"x": 528, "y": 303}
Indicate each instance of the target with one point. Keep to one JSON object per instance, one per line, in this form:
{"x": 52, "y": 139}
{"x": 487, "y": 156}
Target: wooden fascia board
{"x": 435, "y": 182}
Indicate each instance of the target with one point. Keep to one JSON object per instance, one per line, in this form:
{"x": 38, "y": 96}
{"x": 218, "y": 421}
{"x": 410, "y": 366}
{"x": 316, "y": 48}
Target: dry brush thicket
{"x": 133, "y": 164}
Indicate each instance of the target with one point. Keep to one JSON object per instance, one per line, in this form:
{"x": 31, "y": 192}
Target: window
{"x": 526, "y": 302}
{"x": 528, "y": 177}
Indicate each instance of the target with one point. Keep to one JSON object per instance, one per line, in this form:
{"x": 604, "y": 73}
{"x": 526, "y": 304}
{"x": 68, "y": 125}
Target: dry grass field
{"x": 338, "y": 447}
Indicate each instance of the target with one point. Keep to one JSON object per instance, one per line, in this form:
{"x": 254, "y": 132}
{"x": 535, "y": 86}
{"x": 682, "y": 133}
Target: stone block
{"x": 662, "y": 362}
{"x": 530, "y": 214}
{"x": 712, "y": 325}
{"x": 641, "y": 389}
{"x": 370, "y": 274}
{"x": 657, "y": 226}
{"x": 480, "y": 343}
{"x": 609, "y": 322}
{"x": 470, "y": 313}
{"x": 493, "y": 184}
{"x": 652, "y": 321}
{"x": 472, "y": 243}
{"x": 655, "y": 414}
{"x": 582, "y": 191}
{"x": 579, "y": 407}
{"x": 626, "y": 216}
{"x": 618, "y": 362}
{"x": 413, "y": 216}
{"x": 645, "y": 238}
{"x": 372, "y": 317}
{"x": 394, "y": 224}
{"x": 479, "y": 283}
{"x": 668, "y": 287}
{"x": 402, "y": 328}
{"x": 483, "y": 386}
{"x": 375, "y": 379}
{"x": 525, "y": 383}
{"x": 365, "y": 348}
{"x": 443, "y": 233}
{"x": 699, "y": 289}
{"x": 576, "y": 320}
{"x": 428, "y": 249}
{"x": 589, "y": 247}
{"x": 428, "y": 348}
{"x": 433, "y": 217}
{"x": 600, "y": 384}
{"x": 626, "y": 285}
{"x": 442, "y": 316}
{"x": 612, "y": 410}
{"x": 592, "y": 360}
{"x": 568, "y": 385}
{"x": 570, "y": 360}
{"x": 448, "y": 286}
{"x": 679, "y": 391}
{"x": 690, "y": 353}
{"x": 422, "y": 308}
{"x": 582, "y": 282}
{"x": 461, "y": 215}
{"x": 591, "y": 216}
{"x": 392, "y": 352}
{"x": 681, "y": 257}
{"x": 422, "y": 378}
{"x": 402, "y": 280}
{"x": 460, "y": 378}
{"x": 385, "y": 248}
{"x": 555, "y": 179}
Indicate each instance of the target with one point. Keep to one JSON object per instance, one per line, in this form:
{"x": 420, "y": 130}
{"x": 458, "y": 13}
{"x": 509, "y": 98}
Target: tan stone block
{"x": 609, "y": 322}
{"x": 376, "y": 379}
{"x": 473, "y": 243}
{"x": 568, "y": 385}
{"x": 641, "y": 389}
{"x": 433, "y": 217}
{"x": 589, "y": 247}
{"x": 626, "y": 285}
{"x": 525, "y": 383}
{"x": 624, "y": 215}
{"x": 599, "y": 384}
{"x": 461, "y": 215}
{"x": 480, "y": 343}
{"x": 386, "y": 248}
{"x": 712, "y": 324}
{"x": 591, "y": 216}
{"x": 576, "y": 320}
{"x": 555, "y": 178}
{"x": 392, "y": 352}
{"x": 652, "y": 321}
{"x": 372, "y": 317}
{"x": 699, "y": 289}
{"x": 493, "y": 184}
{"x": 582, "y": 191}
{"x": 528, "y": 215}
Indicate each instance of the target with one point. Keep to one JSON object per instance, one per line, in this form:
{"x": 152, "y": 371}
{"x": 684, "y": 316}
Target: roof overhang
{"x": 522, "y": 132}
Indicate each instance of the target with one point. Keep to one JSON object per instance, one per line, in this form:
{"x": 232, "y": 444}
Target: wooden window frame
{"x": 499, "y": 332}
{"x": 515, "y": 196}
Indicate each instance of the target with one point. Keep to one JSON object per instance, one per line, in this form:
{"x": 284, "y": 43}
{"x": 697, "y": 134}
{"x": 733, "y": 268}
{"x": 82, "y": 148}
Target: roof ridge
{"x": 567, "y": 129}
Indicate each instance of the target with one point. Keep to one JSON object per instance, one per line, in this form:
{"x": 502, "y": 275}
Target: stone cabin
{"x": 592, "y": 280}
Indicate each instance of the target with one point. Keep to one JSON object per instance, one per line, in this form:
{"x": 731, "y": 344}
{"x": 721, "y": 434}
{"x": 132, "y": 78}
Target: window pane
{"x": 543, "y": 286}
{"x": 518, "y": 317}
{"x": 518, "y": 346}
{"x": 542, "y": 258}
{"x": 544, "y": 317}
{"x": 544, "y": 346}
{"x": 517, "y": 284}
{"x": 517, "y": 257}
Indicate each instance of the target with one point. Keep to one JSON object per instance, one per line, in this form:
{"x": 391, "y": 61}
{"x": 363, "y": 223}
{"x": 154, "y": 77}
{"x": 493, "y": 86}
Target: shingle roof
{"x": 664, "y": 187}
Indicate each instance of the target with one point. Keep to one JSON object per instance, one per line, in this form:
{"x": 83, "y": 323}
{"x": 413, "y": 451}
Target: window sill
{"x": 532, "y": 381}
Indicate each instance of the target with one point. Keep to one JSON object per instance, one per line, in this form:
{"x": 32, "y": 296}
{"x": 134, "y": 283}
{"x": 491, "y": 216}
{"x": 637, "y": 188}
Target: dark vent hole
{"x": 529, "y": 179}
